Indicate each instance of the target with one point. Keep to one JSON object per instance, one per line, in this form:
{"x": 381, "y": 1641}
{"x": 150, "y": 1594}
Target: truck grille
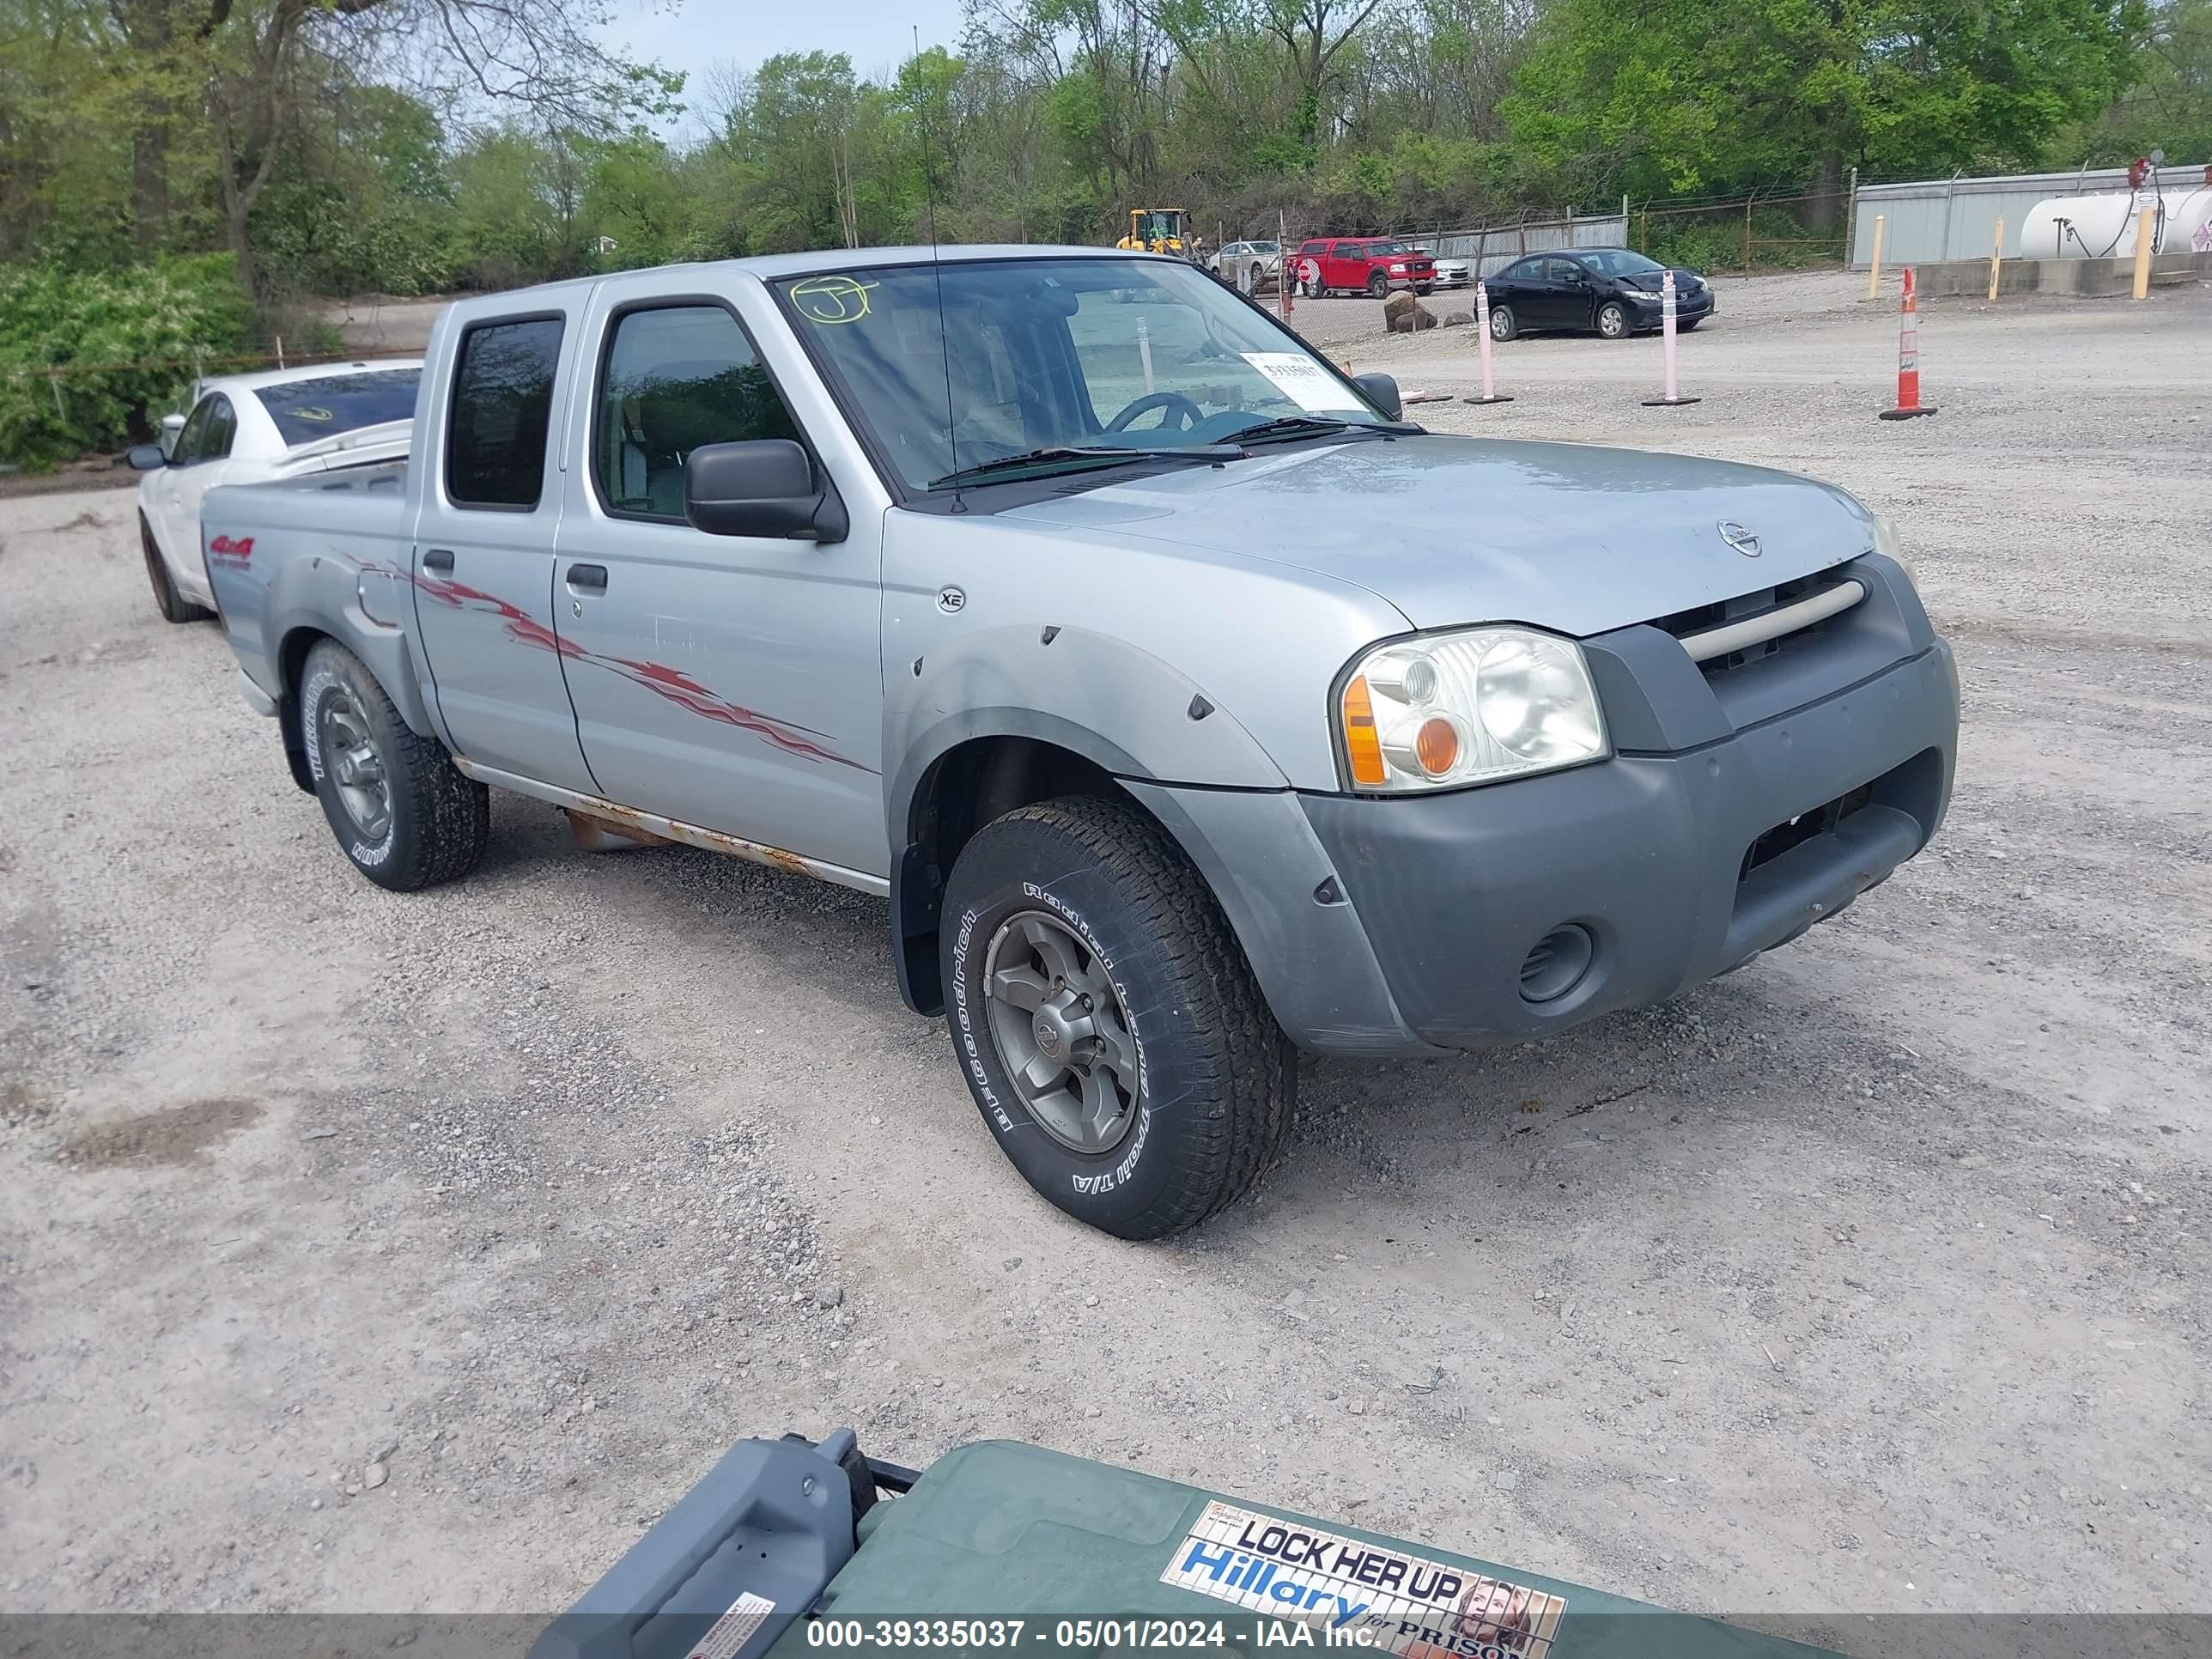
{"x": 1734, "y": 633}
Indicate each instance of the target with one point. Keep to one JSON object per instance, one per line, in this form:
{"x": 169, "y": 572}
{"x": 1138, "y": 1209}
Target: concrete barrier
{"x": 2087, "y": 278}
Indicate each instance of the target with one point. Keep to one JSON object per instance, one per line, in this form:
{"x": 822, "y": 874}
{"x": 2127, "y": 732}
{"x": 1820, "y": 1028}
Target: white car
{"x": 1249, "y": 267}
{"x": 1454, "y": 273}
{"x": 244, "y": 428}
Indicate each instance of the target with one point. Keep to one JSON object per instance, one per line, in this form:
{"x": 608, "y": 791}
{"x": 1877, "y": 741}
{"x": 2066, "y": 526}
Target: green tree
{"x": 1684, "y": 96}
{"x": 2169, "y": 106}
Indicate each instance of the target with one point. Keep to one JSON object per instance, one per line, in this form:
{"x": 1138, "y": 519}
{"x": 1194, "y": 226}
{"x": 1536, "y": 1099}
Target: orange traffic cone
{"x": 1908, "y": 359}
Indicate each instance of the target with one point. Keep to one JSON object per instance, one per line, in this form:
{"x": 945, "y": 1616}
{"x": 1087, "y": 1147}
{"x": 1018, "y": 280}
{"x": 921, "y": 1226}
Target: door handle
{"x": 438, "y": 558}
{"x": 591, "y": 578}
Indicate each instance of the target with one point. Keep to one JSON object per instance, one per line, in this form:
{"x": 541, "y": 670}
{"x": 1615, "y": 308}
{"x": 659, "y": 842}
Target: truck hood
{"x": 1569, "y": 537}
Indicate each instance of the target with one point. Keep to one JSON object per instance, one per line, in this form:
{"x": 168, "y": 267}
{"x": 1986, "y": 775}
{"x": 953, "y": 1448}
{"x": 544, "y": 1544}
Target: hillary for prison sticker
{"x": 1350, "y": 1592}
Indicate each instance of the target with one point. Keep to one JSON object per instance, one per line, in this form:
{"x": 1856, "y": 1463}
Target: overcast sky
{"x": 878, "y": 35}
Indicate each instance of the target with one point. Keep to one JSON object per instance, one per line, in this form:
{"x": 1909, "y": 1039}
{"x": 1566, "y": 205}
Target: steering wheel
{"x": 1187, "y": 413}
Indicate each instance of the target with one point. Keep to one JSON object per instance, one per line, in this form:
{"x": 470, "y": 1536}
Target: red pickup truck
{"x": 1363, "y": 264}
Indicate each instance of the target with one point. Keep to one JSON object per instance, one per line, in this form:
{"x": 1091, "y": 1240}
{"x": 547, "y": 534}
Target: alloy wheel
{"x": 356, "y": 768}
{"x": 1061, "y": 1032}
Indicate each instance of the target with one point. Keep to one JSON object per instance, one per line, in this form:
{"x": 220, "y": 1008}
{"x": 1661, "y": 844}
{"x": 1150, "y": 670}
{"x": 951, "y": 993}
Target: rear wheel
{"x": 401, "y": 810}
{"x": 1503, "y": 324}
{"x": 1106, "y": 1021}
{"x": 174, "y": 607}
{"x": 1377, "y": 286}
{"x": 1612, "y": 320}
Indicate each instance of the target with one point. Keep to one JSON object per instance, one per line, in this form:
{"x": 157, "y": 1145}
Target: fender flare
{"x": 1188, "y": 734}
{"x": 385, "y": 649}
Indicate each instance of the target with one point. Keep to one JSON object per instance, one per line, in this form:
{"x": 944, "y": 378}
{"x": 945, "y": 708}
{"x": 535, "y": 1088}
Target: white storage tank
{"x": 2104, "y": 226}
{"x": 2189, "y": 223}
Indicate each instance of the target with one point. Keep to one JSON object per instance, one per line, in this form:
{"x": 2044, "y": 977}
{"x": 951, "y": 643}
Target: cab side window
{"x": 674, "y": 378}
{"x": 502, "y": 409}
{"x": 1565, "y": 273}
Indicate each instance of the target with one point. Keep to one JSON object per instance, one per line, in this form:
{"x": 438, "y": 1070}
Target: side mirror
{"x": 761, "y": 487}
{"x": 1382, "y": 391}
{"x": 145, "y": 457}
{"x": 173, "y": 427}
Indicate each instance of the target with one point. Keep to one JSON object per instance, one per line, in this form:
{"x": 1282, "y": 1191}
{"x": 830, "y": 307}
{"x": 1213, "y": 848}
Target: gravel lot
{"x": 372, "y": 1252}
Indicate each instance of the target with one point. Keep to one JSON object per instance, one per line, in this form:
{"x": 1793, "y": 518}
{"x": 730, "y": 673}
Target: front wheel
{"x": 1612, "y": 320}
{"x": 1503, "y": 324}
{"x": 1377, "y": 286}
{"x": 1690, "y": 326}
{"x": 1106, "y": 1021}
{"x": 401, "y": 810}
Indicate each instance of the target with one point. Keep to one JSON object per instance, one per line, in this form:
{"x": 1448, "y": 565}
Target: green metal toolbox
{"x": 795, "y": 1549}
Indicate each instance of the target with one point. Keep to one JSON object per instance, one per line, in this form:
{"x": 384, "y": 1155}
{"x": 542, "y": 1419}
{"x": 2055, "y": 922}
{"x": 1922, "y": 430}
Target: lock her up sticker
{"x": 1355, "y": 1592}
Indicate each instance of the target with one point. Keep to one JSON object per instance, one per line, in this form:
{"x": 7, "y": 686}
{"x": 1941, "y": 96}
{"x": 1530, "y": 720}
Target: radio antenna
{"x": 937, "y": 266}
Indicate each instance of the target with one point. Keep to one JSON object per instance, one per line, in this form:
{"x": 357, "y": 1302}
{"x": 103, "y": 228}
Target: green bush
{"x": 1713, "y": 240}
{"x": 87, "y": 356}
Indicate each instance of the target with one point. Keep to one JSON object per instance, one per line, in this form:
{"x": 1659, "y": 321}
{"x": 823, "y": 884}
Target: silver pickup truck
{"x": 1189, "y": 705}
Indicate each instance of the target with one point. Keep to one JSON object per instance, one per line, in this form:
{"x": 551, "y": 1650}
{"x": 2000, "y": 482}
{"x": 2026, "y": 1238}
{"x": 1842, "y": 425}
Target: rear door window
{"x": 502, "y": 410}
{"x": 675, "y": 377}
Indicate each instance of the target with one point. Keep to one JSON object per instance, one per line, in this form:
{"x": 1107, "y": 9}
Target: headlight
{"x": 1469, "y": 707}
{"x": 1887, "y": 542}
{"x": 1397, "y": 271}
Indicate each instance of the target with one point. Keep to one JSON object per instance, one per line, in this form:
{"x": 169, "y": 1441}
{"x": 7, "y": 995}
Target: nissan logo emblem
{"x": 1741, "y": 538}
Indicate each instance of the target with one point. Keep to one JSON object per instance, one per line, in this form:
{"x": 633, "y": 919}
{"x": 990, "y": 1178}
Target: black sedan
{"x": 1602, "y": 290}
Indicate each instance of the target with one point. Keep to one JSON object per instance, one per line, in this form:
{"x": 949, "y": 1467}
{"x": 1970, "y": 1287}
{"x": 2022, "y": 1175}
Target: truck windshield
{"x": 1028, "y": 355}
{"x": 308, "y": 411}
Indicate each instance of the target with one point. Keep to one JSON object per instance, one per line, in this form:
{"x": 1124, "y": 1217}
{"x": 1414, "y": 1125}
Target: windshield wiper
{"x": 1069, "y": 457}
{"x": 1311, "y": 426}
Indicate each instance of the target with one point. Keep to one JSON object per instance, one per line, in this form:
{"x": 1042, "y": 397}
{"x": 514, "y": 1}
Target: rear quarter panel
{"x": 330, "y": 553}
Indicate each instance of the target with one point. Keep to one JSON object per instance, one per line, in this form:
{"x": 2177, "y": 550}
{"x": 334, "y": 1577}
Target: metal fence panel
{"x": 1490, "y": 248}
{"x": 1937, "y": 219}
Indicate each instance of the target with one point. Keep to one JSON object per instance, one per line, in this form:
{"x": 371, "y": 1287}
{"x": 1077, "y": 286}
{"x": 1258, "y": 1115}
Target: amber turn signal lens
{"x": 1435, "y": 745}
{"x": 1363, "y": 747}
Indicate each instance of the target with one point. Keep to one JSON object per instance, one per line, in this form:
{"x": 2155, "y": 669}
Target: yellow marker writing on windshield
{"x": 832, "y": 299}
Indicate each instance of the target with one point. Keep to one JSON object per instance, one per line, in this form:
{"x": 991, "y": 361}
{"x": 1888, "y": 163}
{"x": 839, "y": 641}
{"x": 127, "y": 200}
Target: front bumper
{"x": 1646, "y": 854}
{"x": 1688, "y": 309}
{"x": 1401, "y": 925}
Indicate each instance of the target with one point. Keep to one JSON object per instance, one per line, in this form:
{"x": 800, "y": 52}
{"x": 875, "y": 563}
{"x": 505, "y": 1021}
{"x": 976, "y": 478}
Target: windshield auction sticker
{"x": 1303, "y": 380}
{"x": 1353, "y": 1594}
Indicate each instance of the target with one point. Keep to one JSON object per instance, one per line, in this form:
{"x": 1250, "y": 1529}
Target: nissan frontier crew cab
{"x": 1189, "y": 708}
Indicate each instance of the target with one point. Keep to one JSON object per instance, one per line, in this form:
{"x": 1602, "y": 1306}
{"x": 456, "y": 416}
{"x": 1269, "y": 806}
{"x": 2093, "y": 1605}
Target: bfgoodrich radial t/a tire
{"x": 1106, "y": 1021}
{"x": 405, "y": 816}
